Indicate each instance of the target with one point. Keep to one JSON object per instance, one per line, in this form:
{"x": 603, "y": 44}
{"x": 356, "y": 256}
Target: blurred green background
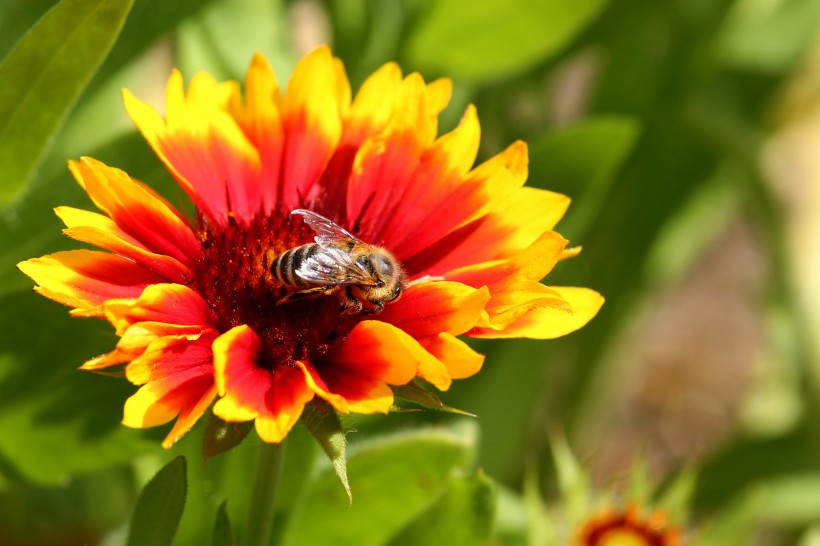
{"x": 687, "y": 133}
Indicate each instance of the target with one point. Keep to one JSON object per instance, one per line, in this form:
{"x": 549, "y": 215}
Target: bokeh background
{"x": 687, "y": 133}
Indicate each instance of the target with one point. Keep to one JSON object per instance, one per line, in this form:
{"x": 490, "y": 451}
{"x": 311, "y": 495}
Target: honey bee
{"x": 339, "y": 260}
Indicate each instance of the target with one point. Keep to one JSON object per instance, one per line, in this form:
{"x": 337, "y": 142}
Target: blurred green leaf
{"x": 16, "y": 18}
{"x": 689, "y": 232}
{"x": 44, "y": 75}
{"x": 413, "y": 392}
{"x": 676, "y": 498}
{"x": 70, "y": 419}
{"x": 538, "y": 526}
{"x": 323, "y": 423}
{"x": 223, "y": 535}
{"x": 485, "y": 39}
{"x": 160, "y": 506}
{"x": 582, "y": 161}
{"x": 811, "y": 538}
{"x": 734, "y": 524}
{"x": 792, "y": 499}
{"x": 463, "y": 516}
{"x": 573, "y": 480}
{"x": 769, "y": 36}
{"x": 395, "y": 478}
{"x": 88, "y": 507}
{"x": 221, "y": 436}
{"x": 513, "y": 519}
{"x": 148, "y": 21}
{"x": 224, "y": 36}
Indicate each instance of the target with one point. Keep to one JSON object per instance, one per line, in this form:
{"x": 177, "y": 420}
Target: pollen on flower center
{"x": 235, "y": 280}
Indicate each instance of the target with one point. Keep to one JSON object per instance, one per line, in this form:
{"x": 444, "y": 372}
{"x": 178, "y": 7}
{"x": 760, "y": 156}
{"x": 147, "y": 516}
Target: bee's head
{"x": 388, "y": 274}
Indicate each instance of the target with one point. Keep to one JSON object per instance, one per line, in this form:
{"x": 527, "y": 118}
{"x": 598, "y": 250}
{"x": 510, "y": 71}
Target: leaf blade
{"x": 159, "y": 507}
{"x": 465, "y": 514}
{"x": 470, "y": 44}
{"x": 51, "y": 66}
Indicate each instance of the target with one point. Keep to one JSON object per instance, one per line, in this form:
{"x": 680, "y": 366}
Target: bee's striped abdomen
{"x": 285, "y": 265}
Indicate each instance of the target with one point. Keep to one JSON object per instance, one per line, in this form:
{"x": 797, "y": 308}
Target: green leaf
{"x": 581, "y": 161}
{"x": 223, "y": 535}
{"x": 677, "y": 497}
{"x": 323, "y": 422}
{"x": 224, "y": 36}
{"x": 573, "y": 480}
{"x": 539, "y": 527}
{"x": 160, "y": 506}
{"x": 16, "y": 18}
{"x": 514, "y": 517}
{"x": 465, "y": 514}
{"x": 486, "y": 39}
{"x": 792, "y": 499}
{"x": 735, "y": 523}
{"x": 220, "y": 436}
{"x": 768, "y": 37}
{"x": 395, "y": 477}
{"x": 43, "y": 77}
{"x": 417, "y": 394}
{"x": 70, "y": 419}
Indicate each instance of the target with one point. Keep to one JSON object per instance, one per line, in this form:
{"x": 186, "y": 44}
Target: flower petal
{"x": 202, "y": 146}
{"x": 532, "y": 264}
{"x": 169, "y": 355}
{"x": 458, "y": 358}
{"x": 138, "y": 211}
{"x": 101, "y": 231}
{"x": 316, "y": 100}
{"x": 437, "y": 184}
{"x": 84, "y": 279}
{"x": 516, "y": 223}
{"x": 182, "y": 395}
{"x": 385, "y": 164}
{"x": 178, "y": 377}
{"x": 355, "y": 376}
{"x": 549, "y": 321}
{"x": 428, "y": 308}
{"x": 260, "y": 117}
{"x": 275, "y": 399}
{"x": 163, "y": 303}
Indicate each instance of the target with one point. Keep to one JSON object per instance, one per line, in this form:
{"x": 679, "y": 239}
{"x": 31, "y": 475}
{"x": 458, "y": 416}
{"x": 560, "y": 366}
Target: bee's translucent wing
{"x": 327, "y": 231}
{"x": 333, "y": 264}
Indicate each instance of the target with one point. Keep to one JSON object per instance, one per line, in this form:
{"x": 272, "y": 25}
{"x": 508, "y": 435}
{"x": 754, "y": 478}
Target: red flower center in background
{"x": 628, "y": 529}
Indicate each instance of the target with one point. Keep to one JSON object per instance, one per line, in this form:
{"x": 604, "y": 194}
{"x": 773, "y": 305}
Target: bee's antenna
{"x": 357, "y": 224}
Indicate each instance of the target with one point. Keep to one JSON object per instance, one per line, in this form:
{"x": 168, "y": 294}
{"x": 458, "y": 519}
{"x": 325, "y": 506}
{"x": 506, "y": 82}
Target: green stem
{"x": 263, "y": 499}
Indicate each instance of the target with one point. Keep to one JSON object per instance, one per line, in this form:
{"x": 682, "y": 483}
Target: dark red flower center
{"x": 628, "y": 529}
{"x": 236, "y": 281}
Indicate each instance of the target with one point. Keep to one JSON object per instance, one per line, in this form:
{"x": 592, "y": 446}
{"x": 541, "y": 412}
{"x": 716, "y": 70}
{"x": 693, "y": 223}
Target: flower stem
{"x": 263, "y": 499}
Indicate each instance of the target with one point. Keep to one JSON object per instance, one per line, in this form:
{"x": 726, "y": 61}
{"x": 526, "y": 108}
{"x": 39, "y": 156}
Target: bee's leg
{"x": 378, "y": 307}
{"x": 310, "y": 292}
{"x": 351, "y": 304}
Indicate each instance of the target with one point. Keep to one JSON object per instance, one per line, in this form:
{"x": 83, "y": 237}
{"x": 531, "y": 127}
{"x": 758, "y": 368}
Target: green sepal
{"x": 221, "y": 436}
{"x": 413, "y": 392}
{"x": 324, "y": 424}
{"x": 159, "y": 507}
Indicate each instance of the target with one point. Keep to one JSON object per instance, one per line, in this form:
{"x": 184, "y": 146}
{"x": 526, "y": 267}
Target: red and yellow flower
{"x": 629, "y": 528}
{"x": 199, "y": 313}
